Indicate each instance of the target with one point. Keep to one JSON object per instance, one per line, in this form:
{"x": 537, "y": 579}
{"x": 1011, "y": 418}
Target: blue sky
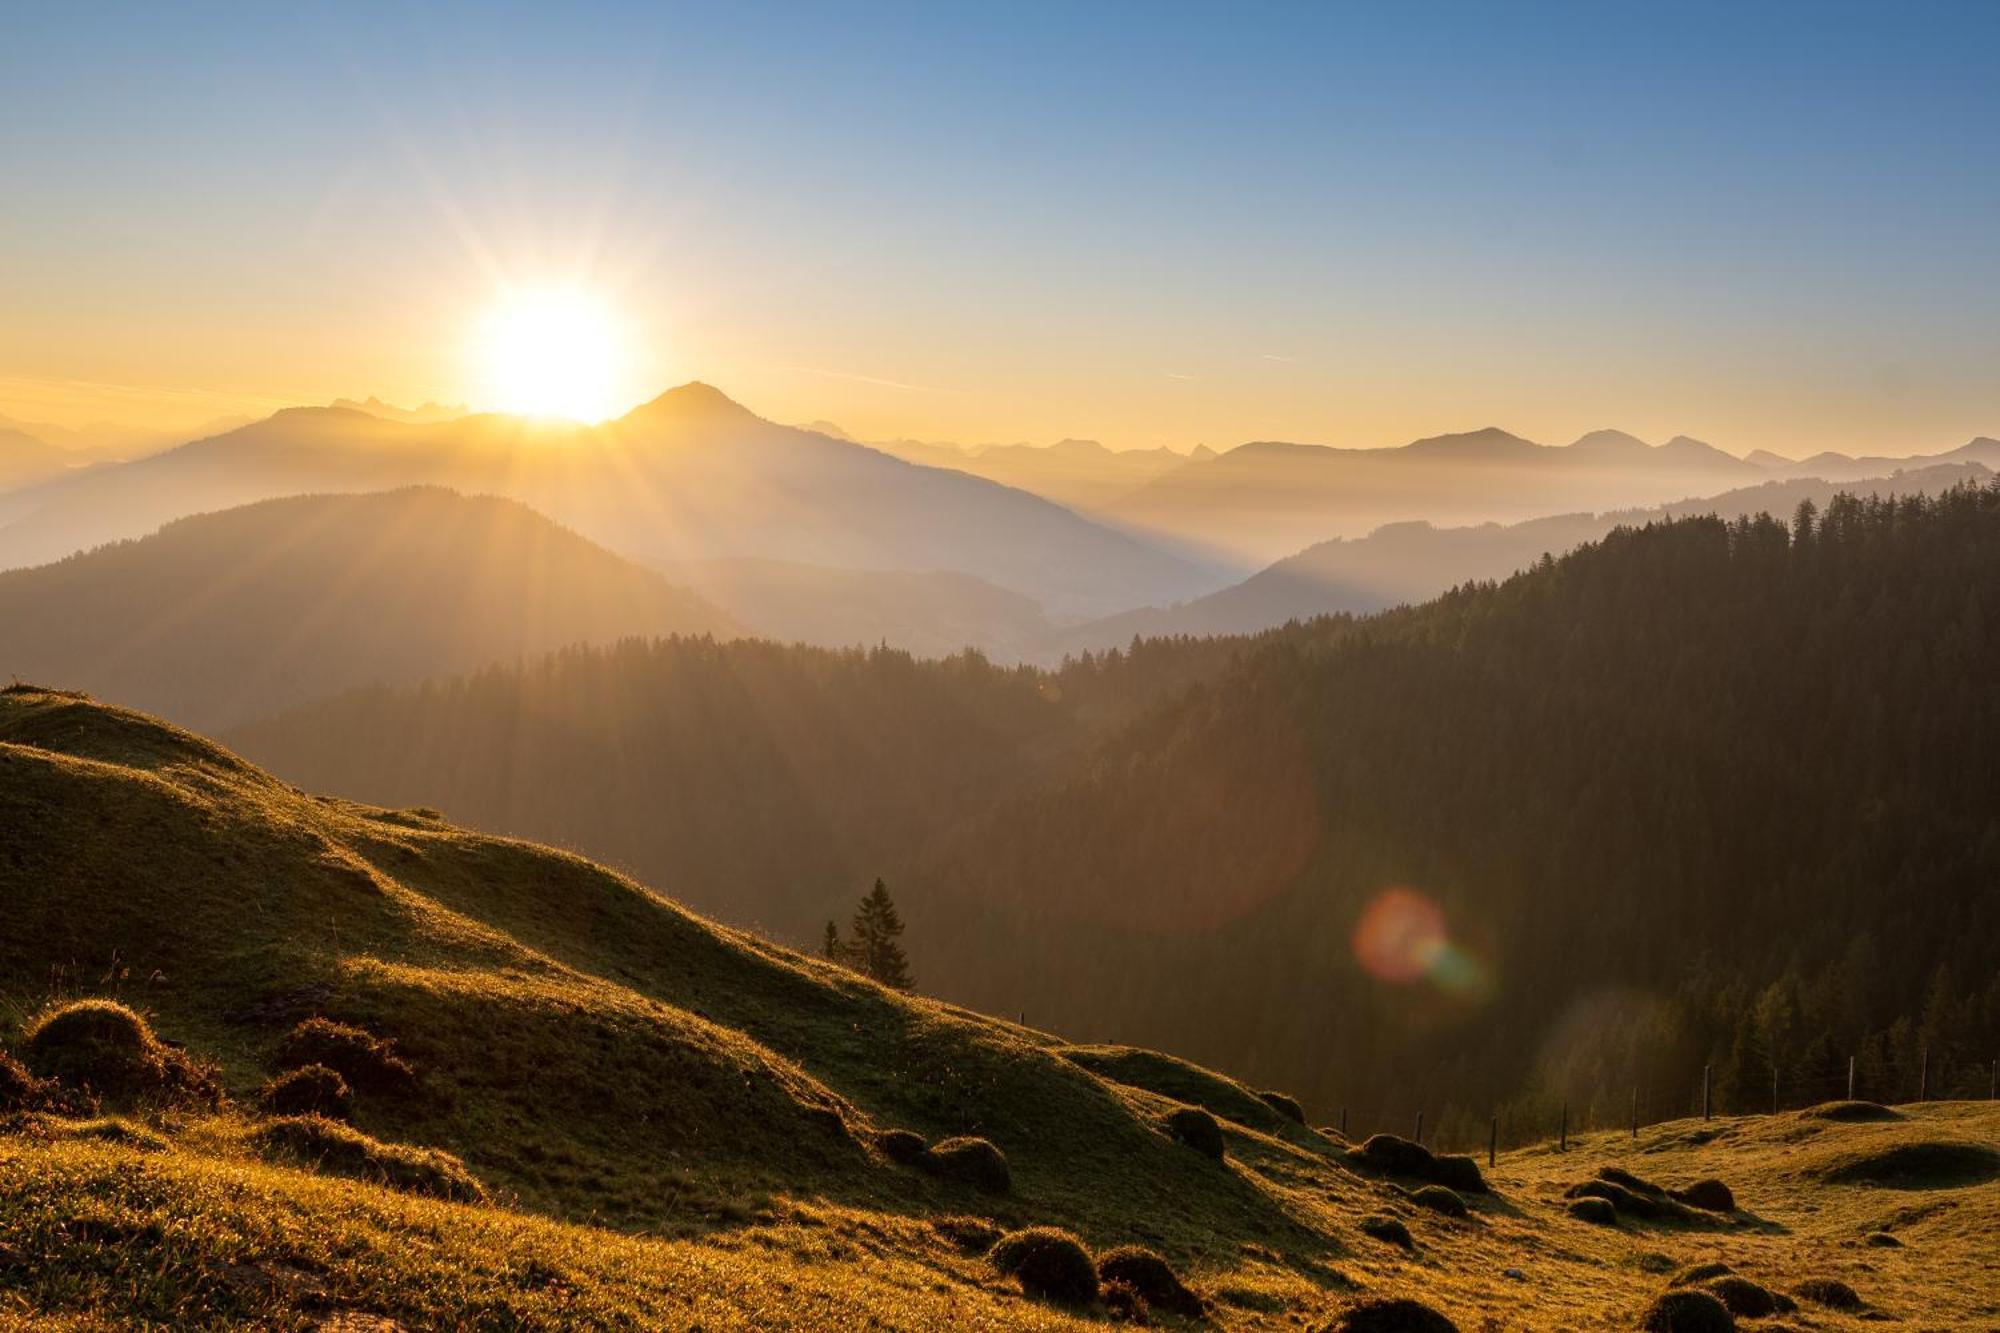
{"x": 1772, "y": 226}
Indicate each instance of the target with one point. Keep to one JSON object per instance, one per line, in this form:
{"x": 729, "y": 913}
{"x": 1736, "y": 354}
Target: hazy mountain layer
{"x": 1264, "y": 501}
{"x": 223, "y": 617}
{"x": 690, "y": 476}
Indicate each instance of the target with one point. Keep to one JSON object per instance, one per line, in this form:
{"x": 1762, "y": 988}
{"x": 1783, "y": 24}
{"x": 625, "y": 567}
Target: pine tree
{"x": 874, "y": 950}
{"x": 833, "y": 947}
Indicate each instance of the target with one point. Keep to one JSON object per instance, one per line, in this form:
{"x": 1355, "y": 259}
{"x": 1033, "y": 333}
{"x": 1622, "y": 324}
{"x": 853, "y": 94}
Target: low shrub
{"x": 1149, "y": 1274}
{"x": 1440, "y": 1199}
{"x": 1385, "y": 1228}
{"x": 1597, "y": 1212}
{"x": 1198, "y": 1130}
{"x": 308, "y": 1090}
{"x": 1285, "y": 1106}
{"x": 1399, "y": 1315}
{"x": 969, "y": 1161}
{"x": 1711, "y": 1196}
{"x": 341, "y": 1150}
{"x": 902, "y": 1145}
{"x": 1830, "y": 1292}
{"x": 103, "y": 1048}
{"x": 1049, "y": 1263}
{"x": 369, "y": 1063}
{"x": 1687, "y": 1310}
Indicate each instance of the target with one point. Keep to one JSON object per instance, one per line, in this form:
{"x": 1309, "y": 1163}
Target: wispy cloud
{"x": 1273, "y": 356}
{"x": 871, "y": 379}
{"x": 1185, "y": 379}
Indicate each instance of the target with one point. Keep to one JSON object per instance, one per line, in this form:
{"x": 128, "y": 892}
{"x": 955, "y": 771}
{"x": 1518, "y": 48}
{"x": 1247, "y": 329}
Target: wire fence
{"x": 1555, "y": 1120}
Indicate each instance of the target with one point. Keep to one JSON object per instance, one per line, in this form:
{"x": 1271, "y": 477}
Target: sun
{"x": 553, "y": 351}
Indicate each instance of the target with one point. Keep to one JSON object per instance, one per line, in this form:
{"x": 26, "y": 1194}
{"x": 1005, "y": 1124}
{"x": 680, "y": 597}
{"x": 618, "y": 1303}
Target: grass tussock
{"x": 364, "y": 1061}
{"x": 1390, "y": 1315}
{"x": 1149, "y": 1274}
{"x": 970, "y": 1161}
{"x": 308, "y": 1090}
{"x": 341, "y": 1150}
{"x": 104, "y": 1049}
{"x": 1050, "y": 1264}
{"x": 1197, "y": 1129}
{"x": 1687, "y": 1310}
{"x": 1851, "y": 1112}
{"x": 1396, "y": 1156}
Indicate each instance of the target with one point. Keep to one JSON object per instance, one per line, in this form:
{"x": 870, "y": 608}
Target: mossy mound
{"x": 309, "y": 1090}
{"x": 1928, "y": 1165}
{"x": 969, "y": 1161}
{"x": 1389, "y": 1230}
{"x": 1398, "y": 1156}
{"x": 1597, "y": 1212}
{"x": 1149, "y": 1274}
{"x": 340, "y": 1150}
{"x": 1751, "y": 1300}
{"x": 1284, "y": 1105}
{"x": 1687, "y": 1310}
{"x": 901, "y": 1145}
{"x": 1198, "y": 1130}
{"x": 1851, "y": 1112}
{"x": 1882, "y": 1240}
{"x": 367, "y": 1062}
{"x": 1830, "y": 1292}
{"x": 1049, "y": 1263}
{"x": 1440, "y": 1199}
{"x": 104, "y": 1048}
{"x": 1709, "y": 1195}
{"x": 1700, "y": 1273}
{"x": 1395, "y": 1315}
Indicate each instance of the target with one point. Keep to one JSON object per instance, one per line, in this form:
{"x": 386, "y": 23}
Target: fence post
{"x": 1707, "y": 1103}
{"x": 1343, "y": 1122}
{"x": 1562, "y": 1134}
{"x": 1993, "y": 1088}
{"x": 1493, "y": 1138}
{"x": 1850, "y": 1078}
{"x": 1774, "y": 1089}
{"x": 1924, "y": 1076}
{"x": 1420, "y": 1127}
{"x": 1635, "y": 1110}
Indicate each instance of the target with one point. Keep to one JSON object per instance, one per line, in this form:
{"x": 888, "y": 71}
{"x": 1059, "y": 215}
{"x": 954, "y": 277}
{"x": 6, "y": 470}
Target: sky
{"x": 1765, "y": 226}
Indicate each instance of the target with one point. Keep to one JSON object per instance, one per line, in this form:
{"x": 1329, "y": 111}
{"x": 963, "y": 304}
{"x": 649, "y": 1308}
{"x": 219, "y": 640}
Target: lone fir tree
{"x": 831, "y": 946}
{"x": 873, "y": 949}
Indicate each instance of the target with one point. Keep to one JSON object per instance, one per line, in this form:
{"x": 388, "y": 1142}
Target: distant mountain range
{"x": 689, "y": 476}
{"x": 1402, "y": 563}
{"x": 1083, "y": 474}
{"x": 223, "y": 617}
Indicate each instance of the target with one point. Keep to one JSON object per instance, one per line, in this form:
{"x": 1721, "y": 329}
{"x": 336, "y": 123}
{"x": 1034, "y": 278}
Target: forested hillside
{"x": 1701, "y": 792}
{"x": 763, "y": 782}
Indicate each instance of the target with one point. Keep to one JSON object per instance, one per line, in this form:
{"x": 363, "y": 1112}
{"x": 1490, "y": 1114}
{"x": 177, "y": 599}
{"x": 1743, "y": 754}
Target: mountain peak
{"x": 1609, "y": 441}
{"x": 690, "y": 404}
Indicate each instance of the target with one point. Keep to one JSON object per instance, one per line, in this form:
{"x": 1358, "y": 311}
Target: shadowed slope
{"x": 219, "y": 618}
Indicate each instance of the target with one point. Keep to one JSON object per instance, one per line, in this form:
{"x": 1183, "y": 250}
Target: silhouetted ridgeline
{"x": 1700, "y": 792}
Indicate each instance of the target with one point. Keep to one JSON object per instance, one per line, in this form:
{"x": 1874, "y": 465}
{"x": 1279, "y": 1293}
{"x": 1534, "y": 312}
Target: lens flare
{"x": 1401, "y": 938}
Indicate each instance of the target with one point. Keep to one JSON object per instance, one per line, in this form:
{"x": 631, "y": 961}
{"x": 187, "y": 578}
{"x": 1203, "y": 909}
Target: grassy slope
{"x": 673, "y": 1118}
